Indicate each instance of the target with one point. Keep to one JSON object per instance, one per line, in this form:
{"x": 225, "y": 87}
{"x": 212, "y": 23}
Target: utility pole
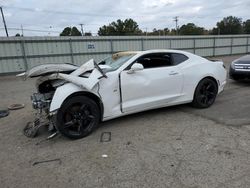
{"x": 50, "y": 27}
{"x": 22, "y": 29}
{"x": 82, "y": 29}
{"x": 176, "y": 23}
{"x": 1, "y": 8}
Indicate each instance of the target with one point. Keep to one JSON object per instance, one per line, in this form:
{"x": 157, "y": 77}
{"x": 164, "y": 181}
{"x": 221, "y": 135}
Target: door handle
{"x": 173, "y": 73}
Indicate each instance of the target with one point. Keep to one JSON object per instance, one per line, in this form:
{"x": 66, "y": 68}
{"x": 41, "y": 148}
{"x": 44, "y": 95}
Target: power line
{"x": 5, "y": 26}
{"x": 35, "y": 30}
{"x": 63, "y": 12}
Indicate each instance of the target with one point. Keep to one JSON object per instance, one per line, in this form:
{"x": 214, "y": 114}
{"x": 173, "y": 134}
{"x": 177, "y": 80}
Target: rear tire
{"x": 205, "y": 93}
{"x": 77, "y": 117}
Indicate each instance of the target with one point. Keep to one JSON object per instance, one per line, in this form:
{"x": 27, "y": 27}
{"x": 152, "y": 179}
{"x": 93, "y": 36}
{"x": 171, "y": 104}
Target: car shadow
{"x": 142, "y": 115}
{"x": 245, "y": 82}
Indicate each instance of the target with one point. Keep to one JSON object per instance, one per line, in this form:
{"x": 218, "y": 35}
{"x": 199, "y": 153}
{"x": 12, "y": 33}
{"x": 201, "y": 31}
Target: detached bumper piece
{"x": 4, "y": 113}
{"x": 31, "y": 128}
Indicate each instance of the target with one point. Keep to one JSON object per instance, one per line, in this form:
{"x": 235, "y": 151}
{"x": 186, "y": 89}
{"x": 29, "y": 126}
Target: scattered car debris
{"x": 105, "y": 137}
{"x": 47, "y": 161}
{"x": 31, "y": 128}
{"x": 53, "y": 135}
{"x": 16, "y": 106}
{"x": 128, "y": 143}
{"x": 4, "y": 113}
{"x": 104, "y": 155}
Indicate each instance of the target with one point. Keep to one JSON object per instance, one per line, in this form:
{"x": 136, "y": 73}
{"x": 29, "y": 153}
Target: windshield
{"x": 117, "y": 62}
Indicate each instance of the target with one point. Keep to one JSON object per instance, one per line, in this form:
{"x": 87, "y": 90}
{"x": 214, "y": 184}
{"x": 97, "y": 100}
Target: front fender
{"x": 62, "y": 93}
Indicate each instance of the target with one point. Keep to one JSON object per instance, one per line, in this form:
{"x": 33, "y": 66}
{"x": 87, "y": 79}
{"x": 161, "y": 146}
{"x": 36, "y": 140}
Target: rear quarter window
{"x": 178, "y": 58}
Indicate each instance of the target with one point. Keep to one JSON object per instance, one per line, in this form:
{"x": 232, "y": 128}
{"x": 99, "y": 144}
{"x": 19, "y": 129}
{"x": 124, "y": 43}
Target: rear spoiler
{"x": 214, "y": 60}
{"x": 218, "y": 61}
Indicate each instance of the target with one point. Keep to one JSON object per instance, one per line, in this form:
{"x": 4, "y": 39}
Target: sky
{"x": 49, "y": 17}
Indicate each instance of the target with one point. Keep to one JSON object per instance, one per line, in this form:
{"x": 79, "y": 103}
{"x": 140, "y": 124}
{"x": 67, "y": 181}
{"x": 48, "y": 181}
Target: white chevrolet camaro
{"x": 75, "y": 99}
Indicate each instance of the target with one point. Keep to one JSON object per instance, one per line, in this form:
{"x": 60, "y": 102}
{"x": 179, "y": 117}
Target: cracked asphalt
{"x": 170, "y": 147}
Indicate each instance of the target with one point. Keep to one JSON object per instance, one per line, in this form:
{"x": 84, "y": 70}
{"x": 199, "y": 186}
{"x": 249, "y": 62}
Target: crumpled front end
{"x": 48, "y": 83}
{"x": 41, "y": 101}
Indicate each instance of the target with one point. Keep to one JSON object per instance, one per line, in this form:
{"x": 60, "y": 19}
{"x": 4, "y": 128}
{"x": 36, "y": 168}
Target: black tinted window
{"x": 155, "y": 60}
{"x": 178, "y": 58}
{"x": 161, "y": 60}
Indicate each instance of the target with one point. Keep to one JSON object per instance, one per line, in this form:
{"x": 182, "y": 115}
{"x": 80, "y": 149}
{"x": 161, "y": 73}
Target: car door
{"x": 159, "y": 83}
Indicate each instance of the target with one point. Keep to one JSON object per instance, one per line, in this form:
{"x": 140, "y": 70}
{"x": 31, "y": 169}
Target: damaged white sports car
{"x": 75, "y": 99}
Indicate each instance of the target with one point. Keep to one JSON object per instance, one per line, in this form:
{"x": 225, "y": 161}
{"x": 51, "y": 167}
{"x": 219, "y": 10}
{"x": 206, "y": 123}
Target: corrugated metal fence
{"x": 20, "y": 53}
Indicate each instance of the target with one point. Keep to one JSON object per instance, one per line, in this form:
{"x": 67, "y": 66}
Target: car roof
{"x": 119, "y": 54}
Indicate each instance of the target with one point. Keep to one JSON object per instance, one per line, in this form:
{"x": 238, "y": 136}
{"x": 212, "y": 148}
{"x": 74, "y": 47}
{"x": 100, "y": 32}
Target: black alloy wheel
{"x": 205, "y": 93}
{"x": 78, "y": 117}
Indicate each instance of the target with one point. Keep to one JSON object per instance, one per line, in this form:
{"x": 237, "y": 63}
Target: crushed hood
{"x": 70, "y": 73}
{"x": 45, "y": 69}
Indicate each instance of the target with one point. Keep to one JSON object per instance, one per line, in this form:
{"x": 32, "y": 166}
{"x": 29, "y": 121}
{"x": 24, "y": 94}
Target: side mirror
{"x": 135, "y": 67}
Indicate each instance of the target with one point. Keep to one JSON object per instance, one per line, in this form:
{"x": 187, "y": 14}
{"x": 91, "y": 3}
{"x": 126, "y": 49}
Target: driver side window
{"x": 155, "y": 60}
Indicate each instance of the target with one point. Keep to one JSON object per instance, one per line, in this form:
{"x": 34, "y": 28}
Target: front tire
{"x": 77, "y": 117}
{"x": 205, "y": 93}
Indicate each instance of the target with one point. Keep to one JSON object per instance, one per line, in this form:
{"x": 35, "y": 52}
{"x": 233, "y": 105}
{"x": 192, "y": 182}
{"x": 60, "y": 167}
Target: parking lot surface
{"x": 170, "y": 147}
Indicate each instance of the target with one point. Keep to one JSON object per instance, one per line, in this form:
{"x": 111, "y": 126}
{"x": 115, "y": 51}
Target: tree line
{"x": 228, "y": 25}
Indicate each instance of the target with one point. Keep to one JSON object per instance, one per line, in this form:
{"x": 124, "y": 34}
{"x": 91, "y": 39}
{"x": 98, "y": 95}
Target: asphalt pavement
{"x": 170, "y": 147}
